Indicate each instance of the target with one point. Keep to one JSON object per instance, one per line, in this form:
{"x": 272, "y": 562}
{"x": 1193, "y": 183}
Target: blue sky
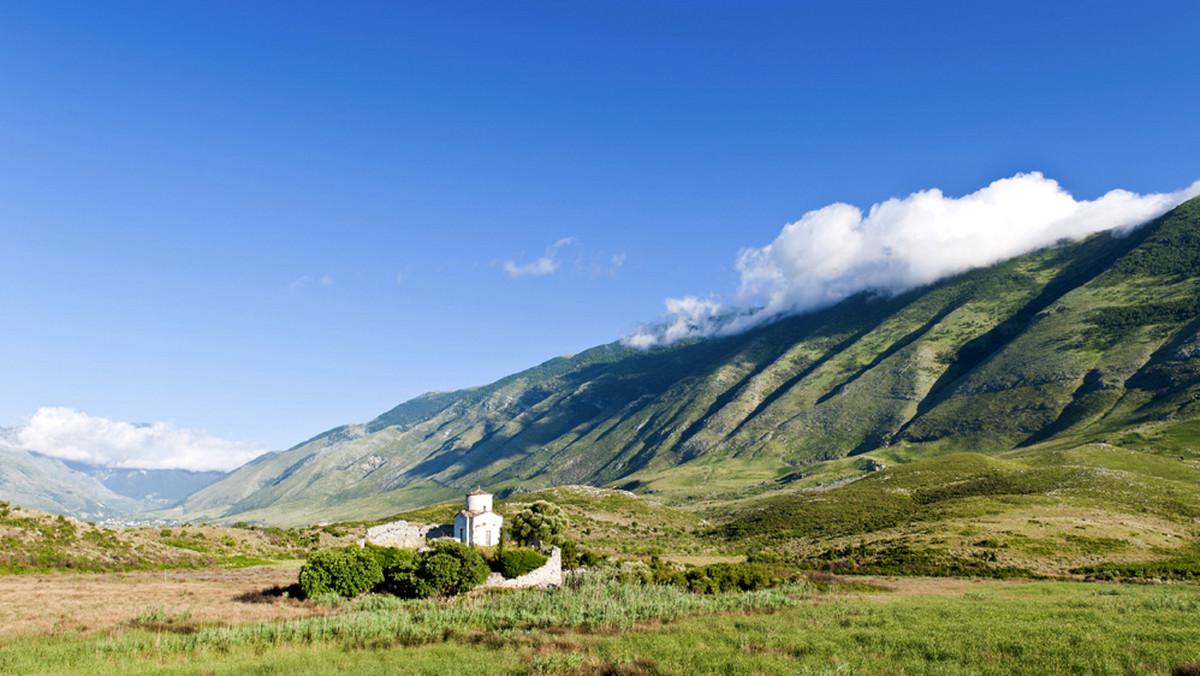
{"x": 263, "y": 220}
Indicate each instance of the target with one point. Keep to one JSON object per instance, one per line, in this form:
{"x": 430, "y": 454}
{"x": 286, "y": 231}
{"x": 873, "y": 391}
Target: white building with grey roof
{"x": 478, "y": 524}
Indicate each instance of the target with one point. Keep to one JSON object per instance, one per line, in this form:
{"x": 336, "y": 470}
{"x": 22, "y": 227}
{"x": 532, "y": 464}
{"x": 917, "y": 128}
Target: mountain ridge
{"x": 1081, "y": 338}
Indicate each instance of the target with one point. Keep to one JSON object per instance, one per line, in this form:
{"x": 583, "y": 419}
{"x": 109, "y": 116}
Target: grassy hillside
{"x": 33, "y": 541}
{"x": 1074, "y": 344}
{"x": 607, "y": 520}
{"x": 1039, "y": 510}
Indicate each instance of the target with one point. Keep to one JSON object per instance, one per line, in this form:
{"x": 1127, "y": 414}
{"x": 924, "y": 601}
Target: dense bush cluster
{"x": 446, "y": 569}
{"x": 346, "y": 572}
{"x": 710, "y": 579}
{"x": 1170, "y": 569}
{"x": 904, "y": 560}
{"x": 1111, "y": 324}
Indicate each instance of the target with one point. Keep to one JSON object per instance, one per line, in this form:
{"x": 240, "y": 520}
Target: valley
{"x": 983, "y": 475}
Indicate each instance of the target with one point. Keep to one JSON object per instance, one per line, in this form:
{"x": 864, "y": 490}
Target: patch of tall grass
{"x": 590, "y": 602}
{"x": 993, "y": 628}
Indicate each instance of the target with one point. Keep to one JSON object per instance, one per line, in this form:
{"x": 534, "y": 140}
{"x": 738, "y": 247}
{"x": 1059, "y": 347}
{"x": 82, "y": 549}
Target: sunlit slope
{"x": 1041, "y": 509}
{"x": 1066, "y": 343}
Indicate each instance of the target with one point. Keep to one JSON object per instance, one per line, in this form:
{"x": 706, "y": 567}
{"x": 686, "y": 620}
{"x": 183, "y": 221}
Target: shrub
{"x": 517, "y": 562}
{"x": 391, "y": 559}
{"x": 591, "y": 559}
{"x": 396, "y": 564}
{"x": 723, "y": 577}
{"x": 630, "y": 572}
{"x": 711, "y": 579}
{"x": 347, "y": 572}
{"x": 448, "y": 568}
{"x": 570, "y": 555}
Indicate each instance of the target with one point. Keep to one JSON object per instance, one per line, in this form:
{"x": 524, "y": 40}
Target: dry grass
{"x": 702, "y": 560}
{"x": 91, "y": 603}
{"x": 1048, "y": 539}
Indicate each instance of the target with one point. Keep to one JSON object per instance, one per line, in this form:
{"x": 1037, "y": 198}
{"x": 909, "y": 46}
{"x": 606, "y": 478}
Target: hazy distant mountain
{"x": 48, "y": 485}
{"x": 1075, "y": 342}
{"x": 160, "y": 486}
{"x": 87, "y": 491}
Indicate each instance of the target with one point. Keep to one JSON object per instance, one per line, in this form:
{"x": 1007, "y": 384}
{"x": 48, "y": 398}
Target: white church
{"x": 478, "y": 524}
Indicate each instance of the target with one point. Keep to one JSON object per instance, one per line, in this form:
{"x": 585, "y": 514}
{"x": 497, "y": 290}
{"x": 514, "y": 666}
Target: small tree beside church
{"x": 542, "y": 523}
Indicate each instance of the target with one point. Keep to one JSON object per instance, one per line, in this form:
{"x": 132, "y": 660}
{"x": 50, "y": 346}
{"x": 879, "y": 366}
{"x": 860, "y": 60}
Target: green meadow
{"x": 601, "y": 626}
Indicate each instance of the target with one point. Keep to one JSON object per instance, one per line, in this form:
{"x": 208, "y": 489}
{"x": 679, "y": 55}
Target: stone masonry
{"x": 399, "y": 534}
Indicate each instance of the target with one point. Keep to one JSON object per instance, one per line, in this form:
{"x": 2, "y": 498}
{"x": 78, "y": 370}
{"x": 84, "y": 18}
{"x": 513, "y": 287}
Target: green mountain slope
{"x": 1069, "y": 344}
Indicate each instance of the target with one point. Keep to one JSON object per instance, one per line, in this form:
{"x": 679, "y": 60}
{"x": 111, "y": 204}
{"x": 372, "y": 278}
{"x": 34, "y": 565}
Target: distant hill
{"x": 163, "y": 487}
{"x": 48, "y": 485}
{"x": 1087, "y": 342}
{"x": 86, "y": 491}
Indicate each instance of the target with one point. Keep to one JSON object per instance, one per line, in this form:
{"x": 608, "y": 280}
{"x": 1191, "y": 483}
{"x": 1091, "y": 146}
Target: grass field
{"x": 224, "y": 625}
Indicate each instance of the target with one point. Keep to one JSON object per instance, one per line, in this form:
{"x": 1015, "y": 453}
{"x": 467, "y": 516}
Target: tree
{"x": 540, "y": 523}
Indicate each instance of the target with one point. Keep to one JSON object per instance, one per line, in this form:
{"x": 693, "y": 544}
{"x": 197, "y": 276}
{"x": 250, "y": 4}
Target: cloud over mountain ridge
{"x": 834, "y": 252}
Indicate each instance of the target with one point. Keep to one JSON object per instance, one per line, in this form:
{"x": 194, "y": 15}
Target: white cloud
{"x": 307, "y": 280}
{"x": 67, "y": 434}
{"x": 545, "y": 265}
{"x": 688, "y": 317}
{"x": 836, "y": 251}
{"x": 615, "y": 263}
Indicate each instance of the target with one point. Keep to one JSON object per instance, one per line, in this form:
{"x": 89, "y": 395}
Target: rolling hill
{"x": 1086, "y": 342}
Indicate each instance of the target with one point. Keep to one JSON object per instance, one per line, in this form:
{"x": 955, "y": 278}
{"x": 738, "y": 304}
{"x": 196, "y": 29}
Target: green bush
{"x": 517, "y": 562}
{"x": 591, "y": 559}
{"x": 723, "y": 577}
{"x": 448, "y": 568}
{"x": 711, "y": 579}
{"x": 634, "y": 572}
{"x": 391, "y": 559}
{"x": 397, "y": 564}
{"x": 347, "y": 572}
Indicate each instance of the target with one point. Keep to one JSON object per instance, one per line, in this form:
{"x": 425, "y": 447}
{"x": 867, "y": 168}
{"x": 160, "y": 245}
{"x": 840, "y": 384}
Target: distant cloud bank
{"x": 67, "y": 434}
{"x": 837, "y": 251}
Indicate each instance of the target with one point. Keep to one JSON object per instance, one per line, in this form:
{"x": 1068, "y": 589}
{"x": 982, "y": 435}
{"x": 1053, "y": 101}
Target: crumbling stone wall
{"x": 399, "y": 534}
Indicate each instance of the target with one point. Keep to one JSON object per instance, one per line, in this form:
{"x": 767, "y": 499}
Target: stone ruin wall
{"x": 399, "y": 534}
